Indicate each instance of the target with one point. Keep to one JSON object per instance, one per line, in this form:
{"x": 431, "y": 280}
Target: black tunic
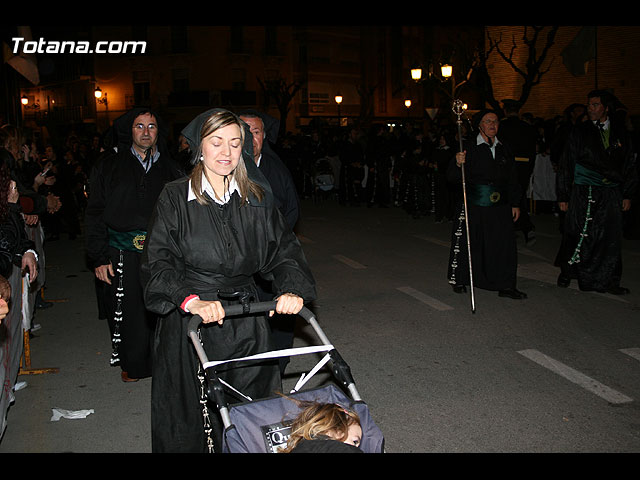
{"x": 594, "y": 180}
{"x": 491, "y": 229}
{"x": 122, "y": 199}
{"x": 203, "y": 250}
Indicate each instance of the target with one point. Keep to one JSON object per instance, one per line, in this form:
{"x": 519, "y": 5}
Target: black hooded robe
{"x": 204, "y": 250}
{"x": 122, "y": 197}
{"x": 491, "y": 230}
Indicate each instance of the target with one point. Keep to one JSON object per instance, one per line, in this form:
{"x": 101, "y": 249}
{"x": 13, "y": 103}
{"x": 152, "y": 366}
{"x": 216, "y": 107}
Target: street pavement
{"x": 557, "y": 372}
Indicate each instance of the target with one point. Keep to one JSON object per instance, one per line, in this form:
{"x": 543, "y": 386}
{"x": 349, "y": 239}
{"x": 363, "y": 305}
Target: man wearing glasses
{"x": 596, "y": 180}
{"x": 124, "y": 187}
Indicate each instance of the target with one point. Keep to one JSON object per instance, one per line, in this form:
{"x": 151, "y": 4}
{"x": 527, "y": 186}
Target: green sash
{"x": 132, "y": 241}
{"x": 585, "y": 176}
{"x": 486, "y": 195}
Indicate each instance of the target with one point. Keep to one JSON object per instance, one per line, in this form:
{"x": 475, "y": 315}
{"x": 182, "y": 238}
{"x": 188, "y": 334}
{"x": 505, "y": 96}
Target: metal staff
{"x": 458, "y": 110}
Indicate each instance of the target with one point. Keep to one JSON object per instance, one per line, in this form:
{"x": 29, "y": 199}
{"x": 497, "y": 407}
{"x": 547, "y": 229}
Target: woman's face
{"x": 221, "y": 150}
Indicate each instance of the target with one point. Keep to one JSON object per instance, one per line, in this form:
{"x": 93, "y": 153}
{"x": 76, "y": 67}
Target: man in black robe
{"x": 264, "y": 130}
{"x": 596, "y": 180}
{"x": 124, "y": 190}
{"x": 493, "y": 199}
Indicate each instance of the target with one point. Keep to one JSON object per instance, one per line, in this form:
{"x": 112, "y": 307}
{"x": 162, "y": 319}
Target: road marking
{"x": 424, "y": 298}
{"x": 348, "y": 261}
{"x": 609, "y": 394}
{"x": 632, "y": 352}
{"x": 433, "y": 240}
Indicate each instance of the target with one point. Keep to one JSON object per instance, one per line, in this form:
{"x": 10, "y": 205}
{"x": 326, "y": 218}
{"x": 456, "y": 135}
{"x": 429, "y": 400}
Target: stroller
{"x": 263, "y": 425}
{"x": 323, "y": 179}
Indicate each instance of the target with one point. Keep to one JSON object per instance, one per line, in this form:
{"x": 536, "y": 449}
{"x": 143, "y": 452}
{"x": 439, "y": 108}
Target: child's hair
{"x": 318, "y": 420}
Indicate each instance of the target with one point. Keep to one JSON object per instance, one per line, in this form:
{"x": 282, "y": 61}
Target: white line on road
{"x": 433, "y": 240}
{"x": 632, "y": 352}
{"x": 424, "y": 298}
{"x": 348, "y": 261}
{"x": 609, "y": 394}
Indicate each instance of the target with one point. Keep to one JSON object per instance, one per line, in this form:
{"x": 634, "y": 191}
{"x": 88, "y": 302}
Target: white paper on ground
{"x": 72, "y": 414}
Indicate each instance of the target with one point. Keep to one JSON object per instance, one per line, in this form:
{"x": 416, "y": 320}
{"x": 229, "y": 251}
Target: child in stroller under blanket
{"x": 325, "y": 428}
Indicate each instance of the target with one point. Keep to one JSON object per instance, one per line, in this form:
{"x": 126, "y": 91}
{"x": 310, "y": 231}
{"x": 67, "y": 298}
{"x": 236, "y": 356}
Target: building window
{"x": 237, "y": 39}
{"x": 271, "y": 41}
{"x": 318, "y": 98}
{"x": 238, "y": 79}
{"x": 179, "y": 39}
{"x": 180, "y": 78}
{"x": 141, "y": 87}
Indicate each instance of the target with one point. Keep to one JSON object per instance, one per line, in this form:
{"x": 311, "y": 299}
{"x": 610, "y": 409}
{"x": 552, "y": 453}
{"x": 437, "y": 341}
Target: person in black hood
{"x": 124, "y": 188}
{"x": 210, "y": 234}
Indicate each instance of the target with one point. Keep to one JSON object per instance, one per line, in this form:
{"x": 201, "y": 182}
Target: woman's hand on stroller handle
{"x": 288, "y": 304}
{"x": 209, "y": 310}
{"x": 240, "y": 309}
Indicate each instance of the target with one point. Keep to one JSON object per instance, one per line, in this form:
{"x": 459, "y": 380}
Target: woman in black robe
{"x": 493, "y": 197}
{"x": 209, "y": 235}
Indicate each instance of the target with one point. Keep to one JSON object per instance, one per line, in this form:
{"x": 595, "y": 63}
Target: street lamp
{"x": 407, "y": 103}
{"x": 338, "y": 99}
{"x": 447, "y": 71}
{"x": 98, "y": 94}
{"x": 416, "y": 74}
{"x": 25, "y": 103}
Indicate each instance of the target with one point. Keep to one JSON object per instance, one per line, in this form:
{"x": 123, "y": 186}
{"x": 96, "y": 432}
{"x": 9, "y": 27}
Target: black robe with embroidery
{"x": 204, "y": 250}
{"x": 122, "y": 197}
{"x": 592, "y": 234}
{"x": 491, "y": 230}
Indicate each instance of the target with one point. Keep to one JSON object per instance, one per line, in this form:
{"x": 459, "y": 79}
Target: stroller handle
{"x": 239, "y": 309}
{"x": 340, "y": 368}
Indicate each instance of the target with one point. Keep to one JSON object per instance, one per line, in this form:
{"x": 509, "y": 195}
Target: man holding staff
{"x": 492, "y": 200}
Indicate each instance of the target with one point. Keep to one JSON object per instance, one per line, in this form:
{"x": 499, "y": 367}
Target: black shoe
{"x": 563, "y": 281}
{"x": 512, "y": 293}
{"x": 459, "y": 288}
{"x": 618, "y": 290}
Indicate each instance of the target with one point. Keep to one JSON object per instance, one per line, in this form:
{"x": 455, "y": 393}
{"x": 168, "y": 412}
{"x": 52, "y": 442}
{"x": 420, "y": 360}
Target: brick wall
{"x": 618, "y": 69}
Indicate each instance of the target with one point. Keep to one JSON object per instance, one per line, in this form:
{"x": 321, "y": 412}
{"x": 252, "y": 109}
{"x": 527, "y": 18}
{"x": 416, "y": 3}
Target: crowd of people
{"x": 228, "y": 174}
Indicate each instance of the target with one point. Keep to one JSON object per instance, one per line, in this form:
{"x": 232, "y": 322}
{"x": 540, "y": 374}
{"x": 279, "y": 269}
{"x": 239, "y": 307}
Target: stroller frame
{"x": 215, "y": 386}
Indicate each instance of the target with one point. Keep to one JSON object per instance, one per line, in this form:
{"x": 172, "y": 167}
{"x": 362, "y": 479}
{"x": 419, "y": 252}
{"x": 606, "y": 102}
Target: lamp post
{"x": 338, "y": 99}
{"x": 447, "y": 73}
{"x": 98, "y": 94}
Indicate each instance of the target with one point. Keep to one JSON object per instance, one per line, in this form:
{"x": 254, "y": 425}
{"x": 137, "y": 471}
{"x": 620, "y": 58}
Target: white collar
{"x": 480, "y": 139}
{"x": 207, "y": 188}
{"x": 605, "y": 123}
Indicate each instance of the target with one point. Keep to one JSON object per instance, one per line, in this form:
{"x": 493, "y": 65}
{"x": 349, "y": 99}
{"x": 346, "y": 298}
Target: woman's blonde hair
{"x": 318, "y": 420}
{"x": 246, "y": 186}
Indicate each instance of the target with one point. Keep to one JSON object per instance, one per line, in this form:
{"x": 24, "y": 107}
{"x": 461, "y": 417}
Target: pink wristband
{"x": 186, "y": 300}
